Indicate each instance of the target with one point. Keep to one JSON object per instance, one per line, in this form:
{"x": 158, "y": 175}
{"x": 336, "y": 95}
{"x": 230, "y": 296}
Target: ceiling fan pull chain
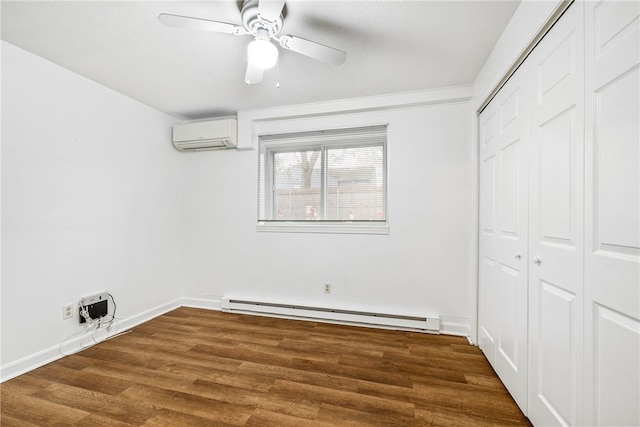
{"x": 278, "y": 76}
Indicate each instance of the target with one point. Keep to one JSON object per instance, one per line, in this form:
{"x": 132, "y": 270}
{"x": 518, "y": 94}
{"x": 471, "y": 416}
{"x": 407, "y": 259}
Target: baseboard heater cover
{"x": 418, "y": 323}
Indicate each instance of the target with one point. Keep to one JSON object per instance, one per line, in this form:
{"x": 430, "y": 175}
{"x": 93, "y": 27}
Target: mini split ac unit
{"x": 206, "y": 135}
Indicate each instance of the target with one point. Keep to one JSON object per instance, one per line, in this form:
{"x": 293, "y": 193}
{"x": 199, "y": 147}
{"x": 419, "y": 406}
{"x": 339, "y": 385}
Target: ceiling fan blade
{"x": 314, "y": 50}
{"x": 270, "y": 10}
{"x": 253, "y": 75}
{"x": 200, "y": 24}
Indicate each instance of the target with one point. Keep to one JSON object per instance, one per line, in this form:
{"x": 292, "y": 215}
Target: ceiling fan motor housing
{"x": 253, "y": 22}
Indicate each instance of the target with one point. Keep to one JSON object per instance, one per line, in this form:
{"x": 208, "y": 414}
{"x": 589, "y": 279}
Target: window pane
{"x": 334, "y": 176}
{"x": 355, "y": 184}
{"x": 297, "y": 185}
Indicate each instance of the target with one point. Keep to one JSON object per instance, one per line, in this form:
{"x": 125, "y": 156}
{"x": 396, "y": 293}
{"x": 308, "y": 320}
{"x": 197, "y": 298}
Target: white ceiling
{"x": 392, "y": 46}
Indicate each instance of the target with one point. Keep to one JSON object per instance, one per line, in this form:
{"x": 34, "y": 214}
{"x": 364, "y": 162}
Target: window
{"x": 333, "y": 180}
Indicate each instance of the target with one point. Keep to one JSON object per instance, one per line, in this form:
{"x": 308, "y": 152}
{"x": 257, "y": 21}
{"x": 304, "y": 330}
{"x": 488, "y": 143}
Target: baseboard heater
{"x": 338, "y": 315}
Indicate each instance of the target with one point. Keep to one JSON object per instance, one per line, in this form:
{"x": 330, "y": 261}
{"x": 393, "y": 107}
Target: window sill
{"x": 326, "y": 228}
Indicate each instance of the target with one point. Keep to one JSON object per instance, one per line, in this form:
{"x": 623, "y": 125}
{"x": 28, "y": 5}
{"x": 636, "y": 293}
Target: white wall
{"x": 91, "y": 201}
{"x": 421, "y": 267}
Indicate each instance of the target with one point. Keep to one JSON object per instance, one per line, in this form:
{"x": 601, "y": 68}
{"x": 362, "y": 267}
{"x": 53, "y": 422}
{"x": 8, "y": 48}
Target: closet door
{"x": 503, "y": 240}
{"x": 487, "y": 284}
{"x": 556, "y": 224}
{"x": 612, "y": 253}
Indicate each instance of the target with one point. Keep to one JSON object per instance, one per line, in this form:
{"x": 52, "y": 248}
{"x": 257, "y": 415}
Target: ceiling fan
{"x": 263, "y": 20}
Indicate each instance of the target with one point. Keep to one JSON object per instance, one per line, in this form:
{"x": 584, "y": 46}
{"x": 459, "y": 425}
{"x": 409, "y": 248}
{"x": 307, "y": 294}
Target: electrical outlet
{"x": 67, "y": 311}
{"x": 327, "y": 287}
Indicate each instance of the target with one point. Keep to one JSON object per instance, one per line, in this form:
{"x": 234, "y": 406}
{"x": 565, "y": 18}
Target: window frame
{"x": 322, "y": 141}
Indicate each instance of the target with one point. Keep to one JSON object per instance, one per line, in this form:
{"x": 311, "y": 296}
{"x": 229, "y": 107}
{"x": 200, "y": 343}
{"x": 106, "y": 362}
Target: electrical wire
{"x": 115, "y": 307}
{"x": 92, "y": 329}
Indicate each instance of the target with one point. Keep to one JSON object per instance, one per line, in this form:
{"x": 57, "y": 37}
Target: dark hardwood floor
{"x": 194, "y": 367}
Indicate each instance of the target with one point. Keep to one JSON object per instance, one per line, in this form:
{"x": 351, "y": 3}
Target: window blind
{"x": 335, "y": 176}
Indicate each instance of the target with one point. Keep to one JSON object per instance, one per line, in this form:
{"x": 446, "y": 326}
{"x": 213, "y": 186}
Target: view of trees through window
{"x": 329, "y": 184}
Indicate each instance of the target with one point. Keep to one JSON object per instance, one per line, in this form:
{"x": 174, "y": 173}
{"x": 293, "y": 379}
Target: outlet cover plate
{"x": 67, "y": 311}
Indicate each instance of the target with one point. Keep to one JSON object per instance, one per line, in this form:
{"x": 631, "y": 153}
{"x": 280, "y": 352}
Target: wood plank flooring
{"x": 193, "y": 367}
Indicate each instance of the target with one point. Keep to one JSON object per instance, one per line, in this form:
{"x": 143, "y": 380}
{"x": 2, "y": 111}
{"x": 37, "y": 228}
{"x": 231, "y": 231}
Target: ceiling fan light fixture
{"x": 262, "y": 54}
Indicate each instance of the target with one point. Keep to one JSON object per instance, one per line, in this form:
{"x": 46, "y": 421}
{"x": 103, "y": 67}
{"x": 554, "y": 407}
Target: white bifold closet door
{"x": 556, "y": 235}
{"x": 612, "y": 214}
{"x": 503, "y": 236}
{"x": 559, "y": 267}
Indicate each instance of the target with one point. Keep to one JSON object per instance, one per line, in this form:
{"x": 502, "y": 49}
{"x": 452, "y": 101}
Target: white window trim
{"x": 329, "y": 227}
{"x": 320, "y": 227}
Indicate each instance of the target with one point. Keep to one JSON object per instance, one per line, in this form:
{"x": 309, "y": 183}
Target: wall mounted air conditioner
{"x": 206, "y": 135}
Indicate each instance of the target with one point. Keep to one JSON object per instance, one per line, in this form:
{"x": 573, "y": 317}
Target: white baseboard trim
{"x": 451, "y": 325}
{"x": 48, "y": 355}
{"x": 208, "y": 304}
{"x": 28, "y": 363}
{"x": 152, "y": 313}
